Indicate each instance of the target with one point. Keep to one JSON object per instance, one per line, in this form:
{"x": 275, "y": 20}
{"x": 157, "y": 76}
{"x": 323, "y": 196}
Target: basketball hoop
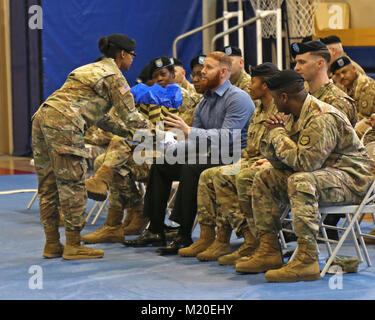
{"x": 268, "y": 22}
{"x": 301, "y": 15}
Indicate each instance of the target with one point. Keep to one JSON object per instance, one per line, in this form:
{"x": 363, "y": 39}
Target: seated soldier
{"x": 321, "y": 161}
{"x": 145, "y": 77}
{"x": 336, "y": 50}
{"x": 218, "y": 198}
{"x": 359, "y": 86}
{"x": 113, "y": 172}
{"x": 312, "y": 59}
{"x": 367, "y": 138}
{"x": 239, "y": 77}
{"x": 181, "y": 76}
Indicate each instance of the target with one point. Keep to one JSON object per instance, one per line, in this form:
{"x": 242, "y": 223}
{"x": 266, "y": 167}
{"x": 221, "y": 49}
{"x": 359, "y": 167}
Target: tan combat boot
{"x": 53, "y": 247}
{"x": 110, "y": 232}
{"x": 128, "y": 218}
{"x": 98, "y": 184}
{"x": 138, "y": 223}
{"x": 219, "y": 247}
{"x": 73, "y": 249}
{"x": 206, "y": 238}
{"x": 370, "y": 240}
{"x": 61, "y": 217}
{"x": 246, "y": 250}
{"x": 266, "y": 257}
{"x": 304, "y": 267}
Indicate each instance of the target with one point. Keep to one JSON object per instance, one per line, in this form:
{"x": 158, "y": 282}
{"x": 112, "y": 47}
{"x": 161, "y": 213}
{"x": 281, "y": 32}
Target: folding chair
{"x": 352, "y": 214}
{"x": 100, "y": 207}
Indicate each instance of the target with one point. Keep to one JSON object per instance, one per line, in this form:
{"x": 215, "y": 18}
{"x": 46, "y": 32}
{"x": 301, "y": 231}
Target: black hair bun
{"x": 103, "y": 45}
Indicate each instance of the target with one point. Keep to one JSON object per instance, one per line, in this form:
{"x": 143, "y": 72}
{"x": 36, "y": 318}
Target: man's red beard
{"x": 211, "y": 83}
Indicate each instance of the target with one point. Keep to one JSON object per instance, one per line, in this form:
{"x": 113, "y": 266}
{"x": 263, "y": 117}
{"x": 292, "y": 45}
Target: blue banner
{"x": 71, "y": 30}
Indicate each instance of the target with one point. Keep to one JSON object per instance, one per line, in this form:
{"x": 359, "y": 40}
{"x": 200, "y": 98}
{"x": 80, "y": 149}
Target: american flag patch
{"x": 124, "y": 89}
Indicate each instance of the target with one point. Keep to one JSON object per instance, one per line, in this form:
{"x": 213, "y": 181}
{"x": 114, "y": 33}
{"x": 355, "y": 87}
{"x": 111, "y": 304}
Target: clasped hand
{"x": 275, "y": 121}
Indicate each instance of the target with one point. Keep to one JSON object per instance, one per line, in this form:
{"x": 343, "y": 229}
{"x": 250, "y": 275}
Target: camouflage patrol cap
{"x": 283, "y": 79}
{"x": 339, "y": 63}
{"x": 160, "y": 62}
{"x": 197, "y": 60}
{"x": 232, "y": 51}
{"x": 331, "y": 40}
{"x": 264, "y": 69}
{"x": 303, "y": 47}
{"x": 347, "y": 264}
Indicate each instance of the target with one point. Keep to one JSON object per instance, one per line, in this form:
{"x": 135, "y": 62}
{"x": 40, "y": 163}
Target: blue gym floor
{"x": 139, "y": 273}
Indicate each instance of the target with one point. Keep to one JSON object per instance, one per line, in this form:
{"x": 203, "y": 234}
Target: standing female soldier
{"x": 58, "y": 130}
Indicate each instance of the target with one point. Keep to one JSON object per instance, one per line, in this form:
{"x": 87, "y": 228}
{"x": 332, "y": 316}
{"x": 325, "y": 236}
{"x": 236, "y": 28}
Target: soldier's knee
{"x": 301, "y": 182}
{"x": 207, "y": 175}
{"x": 263, "y": 175}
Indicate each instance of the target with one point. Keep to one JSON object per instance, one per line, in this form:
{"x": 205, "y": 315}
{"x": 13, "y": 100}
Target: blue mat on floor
{"x": 139, "y": 273}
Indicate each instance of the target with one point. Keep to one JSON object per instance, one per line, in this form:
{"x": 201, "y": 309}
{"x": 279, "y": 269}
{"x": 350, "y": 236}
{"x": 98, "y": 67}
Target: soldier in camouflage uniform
{"x": 321, "y": 160}
{"x": 113, "y": 165}
{"x": 336, "y": 50}
{"x": 58, "y": 141}
{"x": 312, "y": 59}
{"x": 239, "y": 77}
{"x": 360, "y": 87}
{"x": 218, "y": 203}
{"x": 367, "y": 138}
{"x": 186, "y": 111}
{"x": 181, "y": 76}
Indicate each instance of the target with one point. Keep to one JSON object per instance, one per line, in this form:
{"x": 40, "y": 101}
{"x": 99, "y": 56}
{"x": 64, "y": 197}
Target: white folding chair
{"x": 100, "y": 208}
{"x": 352, "y": 226}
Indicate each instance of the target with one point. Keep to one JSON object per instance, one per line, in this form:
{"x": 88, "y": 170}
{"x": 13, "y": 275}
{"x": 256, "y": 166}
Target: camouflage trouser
{"x": 243, "y": 188}
{"x": 361, "y": 127}
{"x": 273, "y": 188}
{"x": 218, "y": 201}
{"x": 123, "y": 192}
{"x": 60, "y": 167}
{"x": 94, "y": 152}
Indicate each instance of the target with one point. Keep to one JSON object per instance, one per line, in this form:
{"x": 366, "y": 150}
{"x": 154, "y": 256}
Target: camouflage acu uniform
{"x": 334, "y": 96}
{"x": 123, "y": 190}
{"x": 320, "y": 161}
{"x": 58, "y": 137}
{"x": 363, "y": 91}
{"x": 189, "y": 101}
{"x": 219, "y": 201}
{"x": 244, "y": 82}
{"x": 356, "y": 66}
{"x": 188, "y": 86}
{"x": 96, "y": 141}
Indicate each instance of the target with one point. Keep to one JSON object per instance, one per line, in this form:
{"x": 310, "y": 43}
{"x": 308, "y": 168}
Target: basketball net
{"x": 301, "y": 14}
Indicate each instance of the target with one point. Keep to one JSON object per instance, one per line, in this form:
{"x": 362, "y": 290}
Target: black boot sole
{"x": 139, "y": 245}
{"x": 96, "y": 196}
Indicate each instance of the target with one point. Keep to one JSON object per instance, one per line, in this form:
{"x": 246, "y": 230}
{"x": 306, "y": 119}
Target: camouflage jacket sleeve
{"x": 118, "y": 92}
{"x": 186, "y": 110}
{"x": 314, "y": 144}
{"x": 365, "y": 95}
